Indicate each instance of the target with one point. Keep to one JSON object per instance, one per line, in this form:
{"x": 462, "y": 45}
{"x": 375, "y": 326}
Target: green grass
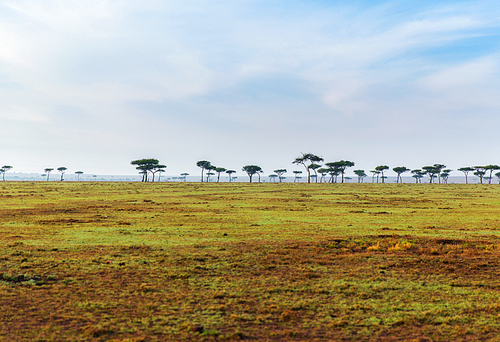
{"x": 191, "y": 261}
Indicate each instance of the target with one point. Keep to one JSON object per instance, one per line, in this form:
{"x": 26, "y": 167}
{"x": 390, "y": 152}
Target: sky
{"x": 92, "y": 85}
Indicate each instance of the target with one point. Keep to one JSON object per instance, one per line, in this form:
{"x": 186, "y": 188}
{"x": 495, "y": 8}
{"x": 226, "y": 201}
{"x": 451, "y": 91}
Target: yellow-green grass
{"x": 192, "y": 261}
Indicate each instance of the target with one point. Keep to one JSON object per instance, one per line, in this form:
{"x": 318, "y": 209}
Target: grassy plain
{"x": 190, "y": 261}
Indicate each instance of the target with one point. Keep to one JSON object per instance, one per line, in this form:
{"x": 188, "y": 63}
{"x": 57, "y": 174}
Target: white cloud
{"x": 350, "y": 68}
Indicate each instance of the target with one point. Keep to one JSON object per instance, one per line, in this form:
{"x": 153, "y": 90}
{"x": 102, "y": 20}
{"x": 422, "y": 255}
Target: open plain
{"x": 95, "y": 261}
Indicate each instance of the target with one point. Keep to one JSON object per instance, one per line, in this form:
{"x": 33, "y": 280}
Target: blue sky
{"x": 93, "y": 85}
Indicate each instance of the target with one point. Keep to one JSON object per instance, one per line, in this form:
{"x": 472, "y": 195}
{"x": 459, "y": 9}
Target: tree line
{"x": 318, "y": 171}
{"x": 47, "y": 171}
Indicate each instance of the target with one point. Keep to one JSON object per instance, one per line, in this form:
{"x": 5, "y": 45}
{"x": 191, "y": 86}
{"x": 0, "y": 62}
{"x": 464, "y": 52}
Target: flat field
{"x": 215, "y": 262}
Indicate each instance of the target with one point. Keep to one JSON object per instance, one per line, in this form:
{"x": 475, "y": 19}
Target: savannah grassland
{"x": 216, "y": 262}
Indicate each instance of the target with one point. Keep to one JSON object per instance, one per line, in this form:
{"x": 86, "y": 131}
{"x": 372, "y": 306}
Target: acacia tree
{"x": 159, "y": 168}
{"x": 339, "y": 167}
{"x": 210, "y": 168}
{"x": 432, "y": 171}
{"x": 444, "y": 175}
{"x": 229, "y": 173}
{"x": 361, "y": 174}
{"x": 399, "y": 170}
{"x": 280, "y": 173}
{"x": 375, "y": 173}
{"x": 251, "y": 170}
{"x": 498, "y": 176}
{"x": 203, "y": 164}
{"x": 209, "y": 174}
{"x": 160, "y": 171}
{"x": 490, "y": 168}
{"x": 47, "y": 171}
{"x": 297, "y": 173}
{"x": 62, "y": 170}
{"x": 219, "y": 170}
{"x": 307, "y": 160}
{"x": 4, "y": 169}
{"x": 272, "y": 177}
{"x": 78, "y": 174}
{"x": 466, "y": 171}
{"x": 381, "y": 169}
{"x": 148, "y": 165}
{"x": 184, "y": 175}
{"x": 315, "y": 167}
{"x": 418, "y": 175}
{"x": 439, "y": 168}
{"x": 323, "y": 172}
{"x": 480, "y": 172}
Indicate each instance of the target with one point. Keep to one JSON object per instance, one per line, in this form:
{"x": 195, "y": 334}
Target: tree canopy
{"x": 203, "y": 164}
{"x": 148, "y": 165}
{"x": 251, "y": 170}
{"x": 308, "y": 160}
{"x": 4, "y": 169}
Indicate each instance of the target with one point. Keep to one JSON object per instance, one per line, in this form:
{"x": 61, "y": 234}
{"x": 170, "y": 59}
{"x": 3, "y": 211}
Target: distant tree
{"x": 480, "y": 172}
{"x": 466, "y": 171}
{"x": 259, "y": 173}
{"x": 280, "y": 173}
{"x": 399, "y": 170}
{"x": 273, "y": 177}
{"x": 297, "y": 177}
{"x": 308, "y": 159}
{"x": 361, "y": 174}
{"x": 210, "y": 169}
{"x": 444, "y": 175}
{"x": 418, "y": 175}
{"x": 282, "y": 178}
{"x": 160, "y": 171}
{"x": 47, "y": 171}
{"x": 159, "y": 168}
{"x": 78, "y": 174}
{"x": 334, "y": 171}
{"x": 251, "y": 170}
{"x": 4, "y": 169}
{"x": 323, "y": 172}
{"x": 490, "y": 168}
{"x": 439, "y": 168}
{"x": 146, "y": 165}
{"x": 340, "y": 167}
{"x": 209, "y": 174}
{"x": 219, "y": 170}
{"x": 229, "y": 173}
{"x": 381, "y": 169}
{"x": 375, "y": 173}
{"x": 184, "y": 175}
{"x": 62, "y": 170}
{"x": 498, "y": 176}
{"x": 432, "y": 171}
{"x": 203, "y": 164}
{"x": 315, "y": 167}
